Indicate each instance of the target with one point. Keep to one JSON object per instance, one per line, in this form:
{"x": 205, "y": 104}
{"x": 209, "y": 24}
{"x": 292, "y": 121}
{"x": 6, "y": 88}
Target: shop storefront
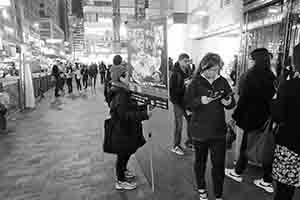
{"x": 273, "y": 25}
{"x": 215, "y": 27}
{"x": 263, "y": 27}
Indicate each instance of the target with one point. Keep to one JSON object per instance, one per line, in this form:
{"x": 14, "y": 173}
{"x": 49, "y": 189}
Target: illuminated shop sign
{"x": 264, "y": 22}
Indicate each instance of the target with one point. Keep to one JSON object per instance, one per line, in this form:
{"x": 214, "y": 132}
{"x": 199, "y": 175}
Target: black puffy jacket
{"x": 128, "y": 115}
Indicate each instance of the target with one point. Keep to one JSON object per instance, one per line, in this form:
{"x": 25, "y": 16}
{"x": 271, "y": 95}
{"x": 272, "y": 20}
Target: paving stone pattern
{"x": 55, "y": 153}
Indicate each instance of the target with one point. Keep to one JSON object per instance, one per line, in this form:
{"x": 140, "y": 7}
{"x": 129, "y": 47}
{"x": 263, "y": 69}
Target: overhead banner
{"x": 148, "y": 61}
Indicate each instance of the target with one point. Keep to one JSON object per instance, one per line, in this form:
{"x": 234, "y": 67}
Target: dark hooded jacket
{"x": 127, "y": 116}
{"x": 286, "y": 108}
{"x": 256, "y": 89}
{"x": 177, "y": 87}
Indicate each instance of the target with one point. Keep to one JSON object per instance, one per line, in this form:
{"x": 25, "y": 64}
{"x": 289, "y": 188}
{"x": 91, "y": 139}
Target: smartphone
{"x": 222, "y": 96}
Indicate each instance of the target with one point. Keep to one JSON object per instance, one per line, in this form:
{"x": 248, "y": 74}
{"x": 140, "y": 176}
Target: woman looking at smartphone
{"x": 207, "y": 124}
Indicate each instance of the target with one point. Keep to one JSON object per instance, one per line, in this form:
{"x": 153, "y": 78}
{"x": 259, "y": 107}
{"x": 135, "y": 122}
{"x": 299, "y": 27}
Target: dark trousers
{"x": 179, "y": 113}
{"x": 102, "y": 77}
{"x": 121, "y": 166}
{"x": 217, "y": 154}
{"x": 242, "y": 162}
{"x": 284, "y": 192}
{"x": 56, "y": 90}
{"x": 70, "y": 86}
{"x": 3, "y": 122}
{"x": 94, "y": 80}
{"x": 85, "y": 82}
{"x": 78, "y": 84}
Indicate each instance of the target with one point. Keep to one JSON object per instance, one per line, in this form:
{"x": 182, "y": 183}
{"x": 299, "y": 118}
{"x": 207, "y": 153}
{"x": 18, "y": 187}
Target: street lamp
{"x": 4, "y": 3}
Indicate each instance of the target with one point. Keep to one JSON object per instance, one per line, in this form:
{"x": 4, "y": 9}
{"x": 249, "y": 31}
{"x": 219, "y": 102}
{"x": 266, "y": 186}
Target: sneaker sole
{"x": 180, "y": 154}
{"x": 121, "y": 188}
{"x": 264, "y": 188}
{"x": 234, "y": 178}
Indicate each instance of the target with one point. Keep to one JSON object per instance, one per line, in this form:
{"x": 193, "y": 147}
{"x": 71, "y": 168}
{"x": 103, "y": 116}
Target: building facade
{"x": 215, "y": 26}
{"x": 49, "y": 9}
{"x": 77, "y": 34}
{"x": 63, "y": 18}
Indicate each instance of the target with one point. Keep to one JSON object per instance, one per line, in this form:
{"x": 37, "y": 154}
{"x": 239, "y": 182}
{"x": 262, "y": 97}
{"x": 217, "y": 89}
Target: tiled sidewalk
{"x": 55, "y": 153}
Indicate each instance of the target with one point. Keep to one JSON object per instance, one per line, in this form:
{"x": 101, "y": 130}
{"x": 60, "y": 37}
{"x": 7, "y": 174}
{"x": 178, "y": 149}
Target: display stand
{"x": 151, "y": 152}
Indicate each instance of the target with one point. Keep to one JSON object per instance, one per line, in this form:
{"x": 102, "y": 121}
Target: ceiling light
{"x": 5, "y": 14}
{"x": 201, "y": 13}
{"x": 4, "y": 3}
{"x": 54, "y": 41}
{"x": 274, "y": 10}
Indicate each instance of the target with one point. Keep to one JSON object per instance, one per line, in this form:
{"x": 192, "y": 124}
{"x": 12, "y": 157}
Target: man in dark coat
{"x": 253, "y": 110}
{"x": 178, "y": 80}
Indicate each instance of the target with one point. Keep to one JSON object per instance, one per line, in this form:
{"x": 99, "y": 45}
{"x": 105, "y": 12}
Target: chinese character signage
{"x": 147, "y": 57}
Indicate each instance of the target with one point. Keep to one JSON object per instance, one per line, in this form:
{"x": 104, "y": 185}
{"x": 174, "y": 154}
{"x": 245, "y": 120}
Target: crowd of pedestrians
{"x": 84, "y": 75}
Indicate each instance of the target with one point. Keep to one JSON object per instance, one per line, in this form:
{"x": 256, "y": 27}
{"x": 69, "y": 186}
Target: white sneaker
{"x": 120, "y": 185}
{"x": 129, "y": 174}
{"x": 268, "y": 187}
{"x": 233, "y": 175}
{"x": 202, "y": 194}
{"x": 178, "y": 151}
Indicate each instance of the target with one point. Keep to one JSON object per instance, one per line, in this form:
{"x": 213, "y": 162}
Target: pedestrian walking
{"x": 93, "y": 72}
{"x": 56, "y": 79}
{"x": 206, "y": 97}
{"x": 285, "y": 107}
{"x": 178, "y": 80}
{"x": 78, "y": 77}
{"x": 85, "y": 76}
{"x": 252, "y": 112}
{"x": 107, "y": 81}
{"x": 4, "y": 103}
{"x": 102, "y": 70}
{"x": 127, "y": 118}
{"x": 69, "y": 74}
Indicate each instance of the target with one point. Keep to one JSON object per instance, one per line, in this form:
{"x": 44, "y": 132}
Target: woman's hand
{"x": 206, "y": 100}
{"x": 227, "y": 102}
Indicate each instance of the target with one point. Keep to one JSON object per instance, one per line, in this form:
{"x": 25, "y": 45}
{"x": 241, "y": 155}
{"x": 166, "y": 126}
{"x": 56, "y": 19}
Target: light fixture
{"x": 274, "y": 10}
{"x": 36, "y": 25}
{"x": 4, "y": 3}
{"x": 200, "y": 13}
{"x": 8, "y": 29}
{"x": 54, "y": 41}
{"x": 5, "y": 13}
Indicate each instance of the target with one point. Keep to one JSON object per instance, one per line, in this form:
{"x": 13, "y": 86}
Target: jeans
{"x": 3, "y": 122}
{"x": 217, "y": 150}
{"x": 94, "y": 80}
{"x": 121, "y": 166}
{"x": 179, "y": 113}
{"x": 85, "y": 82}
{"x": 69, "y": 83}
{"x": 78, "y": 84}
{"x": 102, "y": 77}
{"x": 284, "y": 192}
{"x": 242, "y": 162}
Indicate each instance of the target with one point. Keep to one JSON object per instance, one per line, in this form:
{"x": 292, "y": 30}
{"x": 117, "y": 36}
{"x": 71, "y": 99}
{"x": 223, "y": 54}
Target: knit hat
{"x": 260, "y": 54}
{"x": 210, "y": 60}
{"x": 117, "y": 71}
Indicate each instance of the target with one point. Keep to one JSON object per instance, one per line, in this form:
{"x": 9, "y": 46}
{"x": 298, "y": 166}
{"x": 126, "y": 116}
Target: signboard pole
{"x": 151, "y": 153}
